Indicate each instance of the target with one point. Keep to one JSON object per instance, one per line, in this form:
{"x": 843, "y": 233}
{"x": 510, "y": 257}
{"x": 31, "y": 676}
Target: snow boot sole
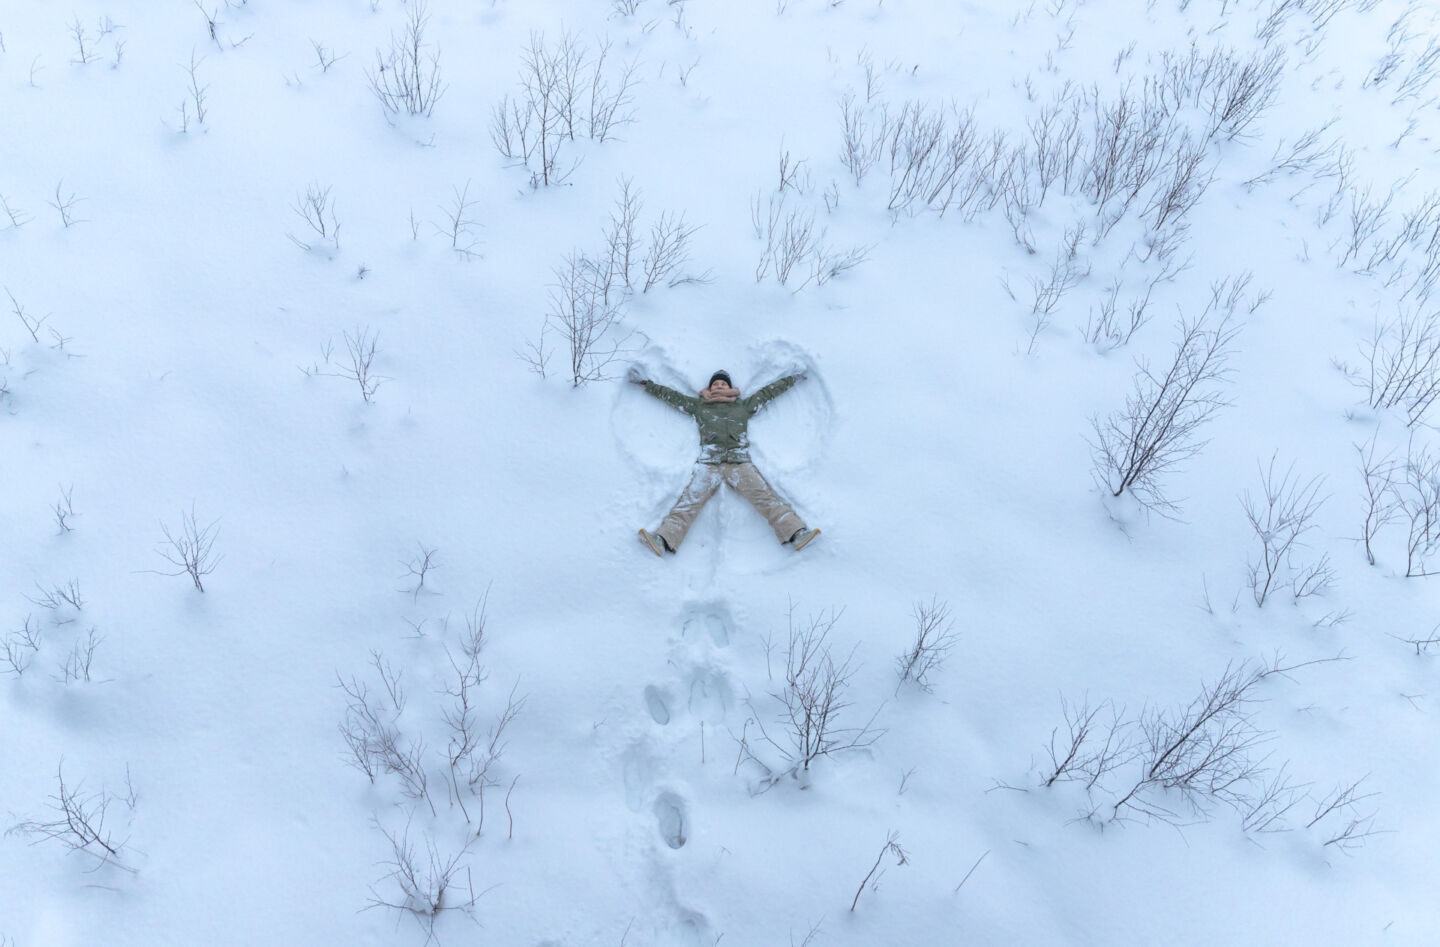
{"x": 653, "y": 542}
{"x": 805, "y": 540}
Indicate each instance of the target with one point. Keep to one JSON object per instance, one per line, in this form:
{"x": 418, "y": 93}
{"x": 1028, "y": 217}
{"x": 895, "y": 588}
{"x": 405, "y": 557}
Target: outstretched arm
{"x": 772, "y": 391}
{"x": 670, "y": 396}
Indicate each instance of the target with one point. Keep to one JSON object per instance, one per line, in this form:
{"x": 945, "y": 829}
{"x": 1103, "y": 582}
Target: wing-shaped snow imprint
{"x": 658, "y": 441}
{"x": 789, "y": 435}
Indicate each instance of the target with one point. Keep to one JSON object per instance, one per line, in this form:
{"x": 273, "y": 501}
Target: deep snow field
{"x": 174, "y": 350}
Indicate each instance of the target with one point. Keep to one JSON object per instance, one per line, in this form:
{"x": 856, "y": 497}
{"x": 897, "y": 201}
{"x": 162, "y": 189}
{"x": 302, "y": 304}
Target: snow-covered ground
{"x": 173, "y": 351}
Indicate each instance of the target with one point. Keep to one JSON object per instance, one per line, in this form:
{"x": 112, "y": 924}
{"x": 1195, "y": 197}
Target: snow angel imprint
{"x": 723, "y": 418}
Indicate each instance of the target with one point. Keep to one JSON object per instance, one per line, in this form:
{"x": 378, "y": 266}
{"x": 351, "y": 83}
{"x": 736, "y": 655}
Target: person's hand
{"x": 636, "y": 377}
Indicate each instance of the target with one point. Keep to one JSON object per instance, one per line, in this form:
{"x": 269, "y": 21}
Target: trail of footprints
{"x": 702, "y": 693}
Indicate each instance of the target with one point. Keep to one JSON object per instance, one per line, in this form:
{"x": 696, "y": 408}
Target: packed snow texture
{"x": 324, "y": 614}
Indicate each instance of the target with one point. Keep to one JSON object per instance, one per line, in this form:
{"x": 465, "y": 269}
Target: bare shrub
{"x": 1280, "y": 518}
{"x": 1106, "y": 330}
{"x": 1205, "y": 752}
{"x": 1307, "y": 154}
{"x": 31, "y": 323}
{"x": 212, "y": 24}
{"x": 1415, "y": 66}
{"x": 476, "y": 756}
{"x": 1345, "y": 825}
{"x": 194, "y": 105}
{"x": 1381, "y": 503}
{"x": 66, "y": 205}
{"x": 1420, "y": 75}
{"x": 78, "y": 662}
{"x": 191, "y": 549}
{"x": 1066, "y": 272}
{"x": 372, "y": 734}
{"x": 828, "y": 262}
{"x": 1158, "y": 428}
{"x": 586, "y": 319}
{"x": 59, "y": 598}
{"x": 1182, "y": 182}
{"x": 1402, "y": 360}
{"x": 468, "y": 766}
{"x": 64, "y": 510}
{"x": 473, "y": 754}
{"x": 622, "y": 238}
{"x": 1055, "y": 136}
{"x": 1018, "y": 198}
{"x": 794, "y": 173}
{"x": 936, "y": 159}
{"x": 934, "y": 639}
{"x": 424, "y": 887}
{"x": 860, "y": 147}
{"x": 1272, "y": 800}
{"x": 79, "y": 822}
{"x": 84, "y": 53}
{"x": 935, "y": 156}
{"x": 358, "y": 365}
{"x": 790, "y": 239}
{"x": 316, "y": 208}
{"x": 16, "y": 217}
{"x": 407, "y": 78}
{"x": 668, "y": 251}
{"x": 1243, "y": 91}
{"x": 795, "y": 246}
{"x": 368, "y": 726}
{"x": 1076, "y": 756}
{"x": 609, "y": 95}
{"x": 1367, "y": 217}
{"x": 324, "y": 57}
{"x": 566, "y": 91}
{"x": 811, "y": 701}
{"x": 1417, "y": 494}
{"x": 419, "y": 568}
{"x": 459, "y": 222}
{"x": 20, "y": 648}
{"x": 1171, "y": 765}
{"x": 1414, "y": 238}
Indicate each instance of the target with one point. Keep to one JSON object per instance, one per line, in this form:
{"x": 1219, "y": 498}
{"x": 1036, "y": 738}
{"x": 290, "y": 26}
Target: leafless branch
{"x": 407, "y": 78}
{"x": 892, "y": 847}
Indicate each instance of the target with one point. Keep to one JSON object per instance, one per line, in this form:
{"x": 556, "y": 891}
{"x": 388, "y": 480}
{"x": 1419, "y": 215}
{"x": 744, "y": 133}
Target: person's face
{"x": 719, "y": 387}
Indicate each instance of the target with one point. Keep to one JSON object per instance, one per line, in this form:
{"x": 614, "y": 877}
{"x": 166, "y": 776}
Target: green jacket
{"x": 723, "y": 436}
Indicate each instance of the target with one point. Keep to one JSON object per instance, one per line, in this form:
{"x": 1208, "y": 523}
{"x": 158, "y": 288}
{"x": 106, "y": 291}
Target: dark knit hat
{"x": 723, "y": 376}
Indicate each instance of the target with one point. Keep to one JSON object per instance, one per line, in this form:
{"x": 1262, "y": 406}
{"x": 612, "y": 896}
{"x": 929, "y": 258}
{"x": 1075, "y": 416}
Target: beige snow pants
{"x": 745, "y": 480}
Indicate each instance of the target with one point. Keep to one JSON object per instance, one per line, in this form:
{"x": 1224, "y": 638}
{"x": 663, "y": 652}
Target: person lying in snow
{"x": 723, "y": 417}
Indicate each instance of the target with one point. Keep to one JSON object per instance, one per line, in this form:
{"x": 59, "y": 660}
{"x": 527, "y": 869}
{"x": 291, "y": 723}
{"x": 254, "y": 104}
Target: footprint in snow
{"x": 713, "y": 620}
{"x": 637, "y": 771}
{"x": 710, "y": 695}
{"x": 658, "y": 706}
{"x": 672, "y": 819}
